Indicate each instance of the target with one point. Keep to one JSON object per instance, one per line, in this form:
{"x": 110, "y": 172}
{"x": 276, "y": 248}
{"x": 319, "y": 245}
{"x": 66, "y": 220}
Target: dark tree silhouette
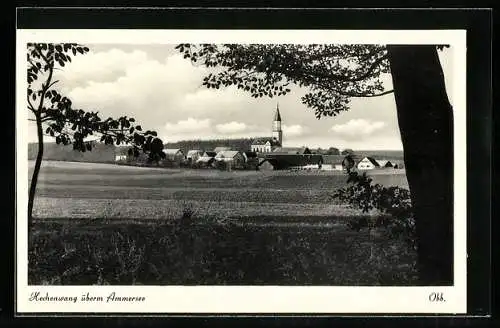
{"x": 55, "y": 116}
{"x": 332, "y": 75}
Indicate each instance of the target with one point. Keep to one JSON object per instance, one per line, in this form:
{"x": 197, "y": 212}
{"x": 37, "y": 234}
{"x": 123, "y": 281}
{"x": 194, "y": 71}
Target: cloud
{"x": 357, "y": 128}
{"x": 101, "y": 66}
{"x": 231, "y": 127}
{"x": 163, "y": 92}
{"x": 293, "y": 130}
{"x": 187, "y": 126}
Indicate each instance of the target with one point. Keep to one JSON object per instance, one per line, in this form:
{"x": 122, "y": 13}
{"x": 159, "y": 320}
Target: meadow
{"x": 108, "y": 224}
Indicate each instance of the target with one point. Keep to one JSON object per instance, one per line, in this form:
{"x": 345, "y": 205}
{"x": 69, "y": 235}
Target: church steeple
{"x": 277, "y": 133}
{"x": 277, "y": 116}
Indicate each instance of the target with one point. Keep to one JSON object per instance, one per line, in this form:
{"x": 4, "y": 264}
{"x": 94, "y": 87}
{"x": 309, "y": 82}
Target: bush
{"x": 393, "y": 203}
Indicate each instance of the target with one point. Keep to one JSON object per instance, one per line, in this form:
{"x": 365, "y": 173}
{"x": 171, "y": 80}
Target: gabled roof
{"x": 227, "y": 154}
{"x": 170, "y": 151}
{"x": 205, "y": 159}
{"x": 333, "y": 159}
{"x": 384, "y": 162}
{"x": 209, "y": 154}
{"x": 194, "y": 152}
{"x": 372, "y": 160}
{"x": 262, "y": 141}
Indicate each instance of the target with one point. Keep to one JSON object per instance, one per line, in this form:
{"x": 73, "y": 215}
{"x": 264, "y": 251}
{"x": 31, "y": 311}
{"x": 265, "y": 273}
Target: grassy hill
{"x": 101, "y": 153}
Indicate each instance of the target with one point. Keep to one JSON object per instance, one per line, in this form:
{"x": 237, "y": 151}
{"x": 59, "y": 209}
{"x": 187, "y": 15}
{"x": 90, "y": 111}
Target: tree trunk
{"x": 426, "y": 126}
{"x": 36, "y": 171}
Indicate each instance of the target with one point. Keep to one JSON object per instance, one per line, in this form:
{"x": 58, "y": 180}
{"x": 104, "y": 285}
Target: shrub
{"x": 393, "y": 203}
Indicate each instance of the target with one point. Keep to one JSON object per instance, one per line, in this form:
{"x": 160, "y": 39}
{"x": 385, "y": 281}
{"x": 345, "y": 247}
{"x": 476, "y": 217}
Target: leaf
{"x": 58, "y": 48}
{"x": 138, "y": 128}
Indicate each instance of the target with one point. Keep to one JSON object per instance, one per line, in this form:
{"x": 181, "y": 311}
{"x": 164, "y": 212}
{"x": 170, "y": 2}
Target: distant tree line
{"x": 242, "y": 144}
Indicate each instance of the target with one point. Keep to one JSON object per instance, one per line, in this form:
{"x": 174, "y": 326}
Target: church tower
{"x": 277, "y": 133}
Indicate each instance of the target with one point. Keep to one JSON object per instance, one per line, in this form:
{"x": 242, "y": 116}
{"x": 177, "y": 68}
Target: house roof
{"x": 333, "y": 159}
{"x": 227, "y": 154}
{"x": 219, "y": 149}
{"x": 171, "y": 151}
{"x": 282, "y": 161}
{"x": 209, "y": 154}
{"x": 264, "y": 140}
{"x": 372, "y": 160}
{"x": 383, "y": 162}
{"x": 194, "y": 152}
{"x": 204, "y": 159}
{"x": 292, "y": 150}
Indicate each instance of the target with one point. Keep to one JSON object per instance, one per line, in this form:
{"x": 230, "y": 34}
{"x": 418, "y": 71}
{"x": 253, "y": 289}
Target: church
{"x": 270, "y": 144}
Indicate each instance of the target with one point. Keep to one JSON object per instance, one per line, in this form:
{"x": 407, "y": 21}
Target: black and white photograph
{"x": 260, "y": 159}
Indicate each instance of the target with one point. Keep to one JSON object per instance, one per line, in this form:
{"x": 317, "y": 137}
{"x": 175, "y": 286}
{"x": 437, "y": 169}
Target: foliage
{"x": 393, "y": 201}
{"x": 192, "y": 252}
{"x": 333, "y": 151}
{"x": 331, "y": 73}
{"x": 69, "y": 125}
{"x": 242, "y": 144}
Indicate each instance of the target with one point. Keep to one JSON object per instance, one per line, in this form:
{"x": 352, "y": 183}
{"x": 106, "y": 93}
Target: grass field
{"x": 107, "y": 224}
{"x": 87, "y": 190}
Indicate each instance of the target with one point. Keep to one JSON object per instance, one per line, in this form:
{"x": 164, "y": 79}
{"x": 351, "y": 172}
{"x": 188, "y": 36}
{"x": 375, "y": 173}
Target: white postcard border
{"x": 248, "y": 299}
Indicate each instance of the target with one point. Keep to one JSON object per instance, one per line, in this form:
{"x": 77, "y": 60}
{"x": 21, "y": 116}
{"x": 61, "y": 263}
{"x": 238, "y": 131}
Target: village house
{"x": 193, "y": 155}
{"x": 121, "y": 153}
{"x": 367, "y": 163}
{"x": 206, "y": 159}
{"x": 232, "y": 158}
{"x": 384, "y": 163}
{"x": 285, "y": 161}
{"x": 333, "y": 162}
{"x": 174, "y": 155}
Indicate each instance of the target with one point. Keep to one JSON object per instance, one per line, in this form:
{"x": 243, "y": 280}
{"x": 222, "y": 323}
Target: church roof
{"x": 263, "y": 141}
{"x": 277, "y": 116}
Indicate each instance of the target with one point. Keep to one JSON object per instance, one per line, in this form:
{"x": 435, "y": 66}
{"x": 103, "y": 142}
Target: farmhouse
{"x": 368, "y": 163}
{"x": 294, "y": 161}
{"x": 174, "y": 155}
{"x": 233, "y": 158}
{"x": 333, "y": 162}
{"x": 121, "y": 153}
{"x": 384, "y": 163}
{"x": 193, "y": 155}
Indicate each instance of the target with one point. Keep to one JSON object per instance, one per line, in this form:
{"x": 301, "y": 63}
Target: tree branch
{"x": 360, "y": 95}
{"x": 50, "y": 85}
{"x": 45, "y": 86}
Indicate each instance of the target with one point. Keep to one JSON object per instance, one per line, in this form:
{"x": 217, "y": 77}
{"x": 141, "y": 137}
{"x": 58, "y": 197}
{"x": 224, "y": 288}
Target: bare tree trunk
{"x": 426, "y": 125}
{"x": 36, "y": 171}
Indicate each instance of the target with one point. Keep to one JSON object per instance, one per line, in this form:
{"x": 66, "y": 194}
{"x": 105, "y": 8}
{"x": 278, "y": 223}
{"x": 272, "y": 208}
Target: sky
{"x": 163, "y": 92}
